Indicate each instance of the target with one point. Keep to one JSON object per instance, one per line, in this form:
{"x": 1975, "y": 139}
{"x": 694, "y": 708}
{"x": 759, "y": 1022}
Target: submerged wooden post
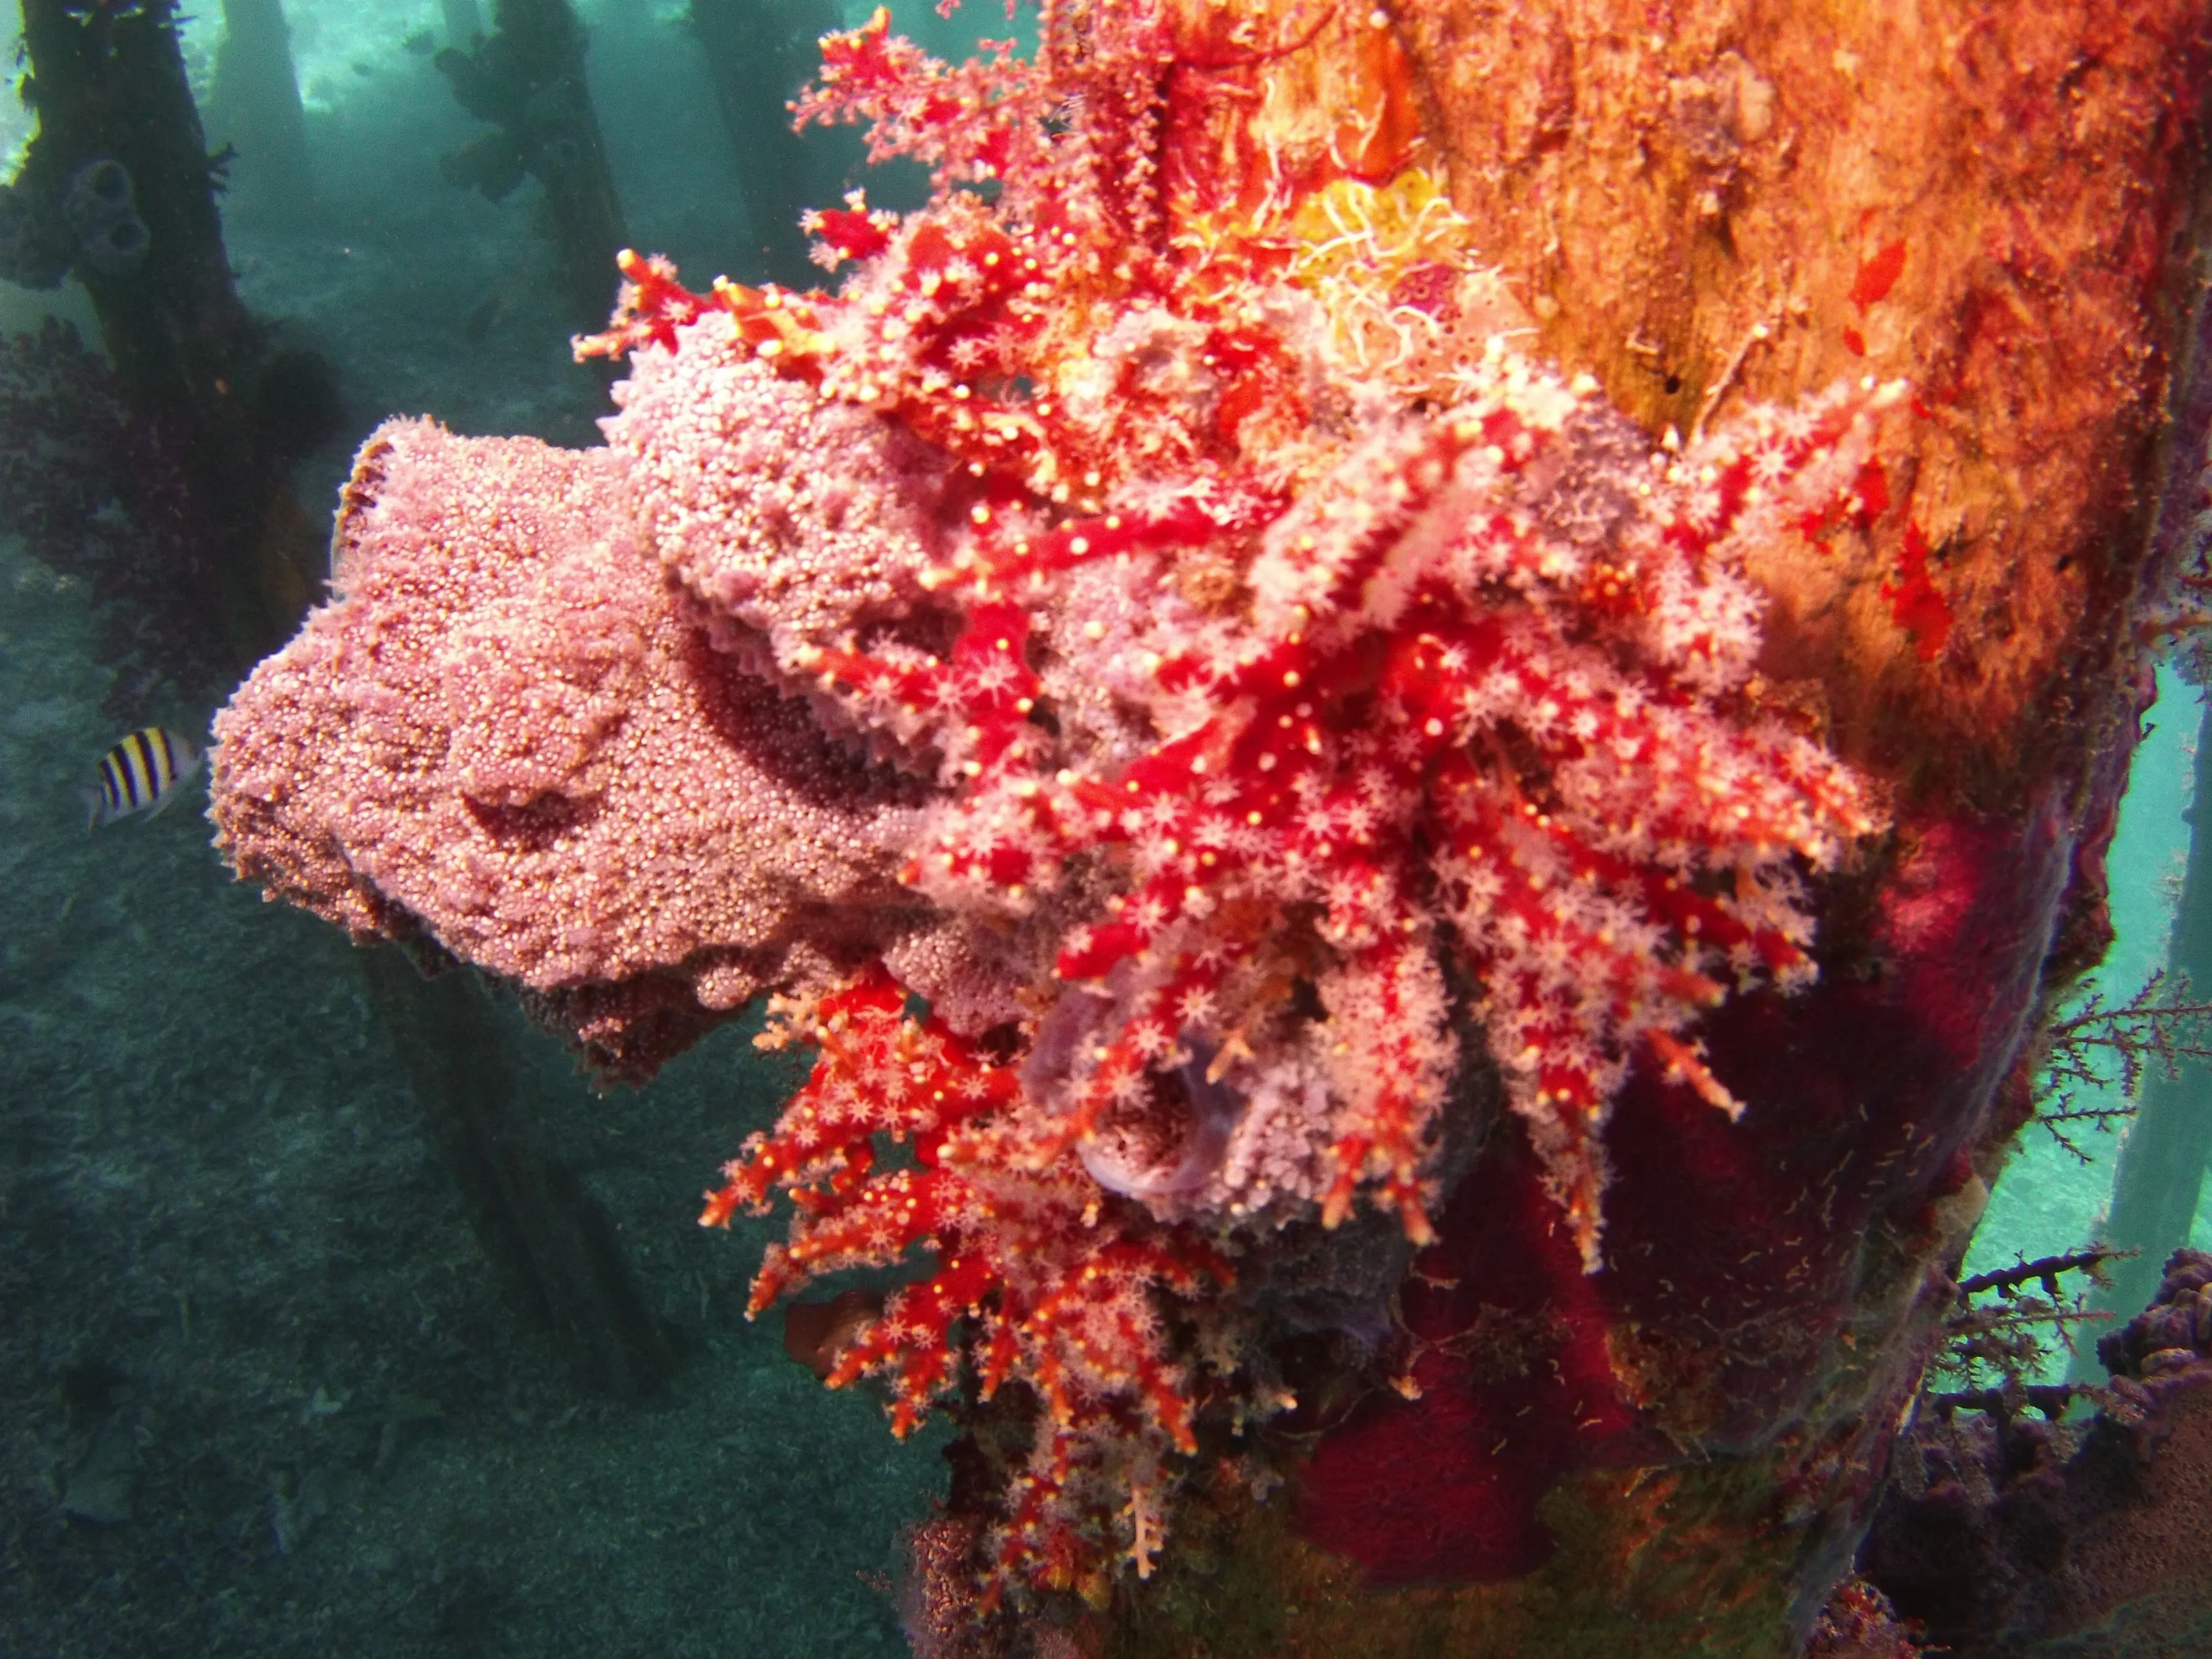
{"x": 119, "y": 173}
{"x": 463, "y": 22}
{"x": 550, "y": 1240}
{"x": 527, "y": 80}
{"x": 760, "y": 53}
{"x": 255, "y": 109}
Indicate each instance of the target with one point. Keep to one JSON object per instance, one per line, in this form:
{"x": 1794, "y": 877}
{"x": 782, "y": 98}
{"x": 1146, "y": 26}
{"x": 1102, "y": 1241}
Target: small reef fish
{"x": 143, "y": 771}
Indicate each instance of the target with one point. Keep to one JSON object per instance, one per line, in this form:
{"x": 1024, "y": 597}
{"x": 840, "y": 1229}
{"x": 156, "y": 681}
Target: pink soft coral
{"x": 1261, "y": 675}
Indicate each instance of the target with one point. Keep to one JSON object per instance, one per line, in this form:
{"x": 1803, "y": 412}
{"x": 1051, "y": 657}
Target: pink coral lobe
{"x": 502, "y": 730}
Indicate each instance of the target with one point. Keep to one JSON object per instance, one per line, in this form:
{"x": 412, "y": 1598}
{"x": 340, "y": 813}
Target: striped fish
{"x": 143, "y": 771}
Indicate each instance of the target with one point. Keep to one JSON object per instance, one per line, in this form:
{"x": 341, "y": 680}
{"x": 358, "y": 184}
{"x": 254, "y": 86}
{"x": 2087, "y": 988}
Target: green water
{"x": 2048, "y": 1199}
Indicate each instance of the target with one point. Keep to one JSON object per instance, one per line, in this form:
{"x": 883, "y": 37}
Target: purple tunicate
{"x": 1215, "y": 1111}
{"x": 119, "y": 249}
{"x": 101, "y": 207}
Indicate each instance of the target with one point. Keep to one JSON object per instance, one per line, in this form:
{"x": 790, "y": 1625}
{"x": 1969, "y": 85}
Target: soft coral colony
{"x": 1226, "y": 699}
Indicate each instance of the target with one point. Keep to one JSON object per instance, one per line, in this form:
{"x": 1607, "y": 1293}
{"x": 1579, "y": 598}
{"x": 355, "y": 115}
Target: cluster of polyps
{"x": 1033, "y": 1277}
{"x": 1440, "y": 727}
{"x": 1285, "y": 716}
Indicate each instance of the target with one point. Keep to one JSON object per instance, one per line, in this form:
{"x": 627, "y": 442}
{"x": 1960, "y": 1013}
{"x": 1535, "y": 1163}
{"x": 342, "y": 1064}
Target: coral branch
{"x": 1040, "y": 1277}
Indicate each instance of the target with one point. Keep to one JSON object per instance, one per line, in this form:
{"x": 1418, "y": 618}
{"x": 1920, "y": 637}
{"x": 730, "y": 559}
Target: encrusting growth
{"x": 1294, "y": 680}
